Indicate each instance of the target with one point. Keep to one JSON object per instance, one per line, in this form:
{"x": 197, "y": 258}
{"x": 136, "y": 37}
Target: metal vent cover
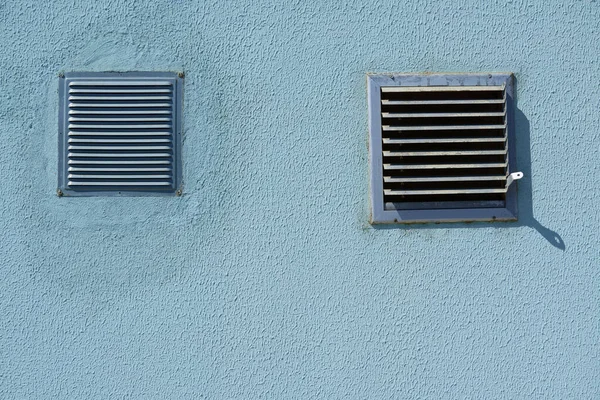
{"x": 120, "y": 133}
{"x": 442, "y": 148}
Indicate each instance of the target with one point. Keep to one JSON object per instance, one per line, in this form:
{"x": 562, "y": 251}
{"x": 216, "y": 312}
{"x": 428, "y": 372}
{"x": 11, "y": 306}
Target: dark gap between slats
{"x": 441, "y": 121}
{"x": 444, "y": 95}
{"x": 443, "y": 108}
{"x": 419, "y": 173}
{"x": 445, "y": 160}
{"x": 447, "y": 197}
{"x": 495, "y": 184}
{"x": 476, "y": 146}
{"x": 443, "y": 134}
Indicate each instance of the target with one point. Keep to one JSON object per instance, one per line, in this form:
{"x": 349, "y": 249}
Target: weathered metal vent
{"x": 119, "y": 133}
{"x": 444, "y": 147}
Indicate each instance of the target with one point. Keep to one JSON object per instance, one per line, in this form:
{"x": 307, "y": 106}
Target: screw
{"x": 179, "y": 192}
{"x": 59, "y": 192}
{"x": 181, "y": 74}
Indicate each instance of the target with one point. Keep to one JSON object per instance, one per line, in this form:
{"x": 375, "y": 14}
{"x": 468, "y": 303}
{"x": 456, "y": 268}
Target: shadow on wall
{"x": 525, "y": 190}
{"x": 526, "y": 217}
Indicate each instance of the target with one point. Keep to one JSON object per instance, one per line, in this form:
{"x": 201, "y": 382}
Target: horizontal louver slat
{"x": 124, "y": 176}
{"x": 441, "y": 127}
{"x": 121, "y": 169}
{"x": 446, "y": 140}
{"x": 118, "y": 98}
{"x": 117, "y": 82}
{"x": 120, "y": 134}
{"x": 114, "y": 162}
{"x": 134, "y": 104}
{"x": 118, "y": 155}
{"x": 121, "y": 119}
{"x": 421, "y": 89}
{"x": 119, "y": 148}
{"x": 113, "y": 140}
{"x": 451, "y": 191}
{"x": 438, "y": 102}
{"x": 117, "y": 184}
{"x": 442, "y": 153}
{"x": 440, "y": 115}
{"x": 444, "y": 166}
{"x": 444, "y": 179}
{"x": 119, "y": 90}
{"x": 119, "y": 126}
{"x": 89, "y": 111}
{"x": 444, "y": 145}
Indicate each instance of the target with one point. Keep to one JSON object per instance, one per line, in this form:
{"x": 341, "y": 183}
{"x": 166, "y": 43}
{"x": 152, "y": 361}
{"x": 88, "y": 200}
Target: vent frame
{"x": 176, "y": 79}
{"x": 468, "y": 211}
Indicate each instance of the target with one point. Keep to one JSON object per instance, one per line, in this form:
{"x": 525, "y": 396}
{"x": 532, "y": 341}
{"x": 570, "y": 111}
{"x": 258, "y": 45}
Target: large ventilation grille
{"x": 120, "y": 135}
{"x": 444, "y": 147}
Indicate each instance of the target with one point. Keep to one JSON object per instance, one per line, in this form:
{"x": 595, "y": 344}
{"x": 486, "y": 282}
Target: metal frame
{"x": 63, "y": 116}
{"x": 379, "y": 215}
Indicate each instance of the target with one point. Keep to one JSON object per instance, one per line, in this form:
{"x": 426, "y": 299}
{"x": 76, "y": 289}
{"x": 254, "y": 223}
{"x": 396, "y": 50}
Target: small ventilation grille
{"x": 442, "y": 147}
{"x": 444, "y": 144}
{"x": 120, "y": 134}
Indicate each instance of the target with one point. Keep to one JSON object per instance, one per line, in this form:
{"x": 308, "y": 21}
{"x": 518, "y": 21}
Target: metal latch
{"x": 515, "y": 176}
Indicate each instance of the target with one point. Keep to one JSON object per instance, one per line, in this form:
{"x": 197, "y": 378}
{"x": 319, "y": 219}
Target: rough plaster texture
{"x": 265, "y": 279}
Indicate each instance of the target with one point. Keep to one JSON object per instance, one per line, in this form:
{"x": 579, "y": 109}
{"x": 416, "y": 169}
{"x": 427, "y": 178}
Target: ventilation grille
{"x": 444, "y": 147}
{"x": 120, "y": 135}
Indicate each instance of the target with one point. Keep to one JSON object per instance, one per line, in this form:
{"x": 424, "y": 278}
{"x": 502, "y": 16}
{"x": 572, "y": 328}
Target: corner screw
{"x": 181, "y": 74}
{"x": 59, "y": 193}
{"x": 61, "y": 74}
{"x": 179, "y": 192}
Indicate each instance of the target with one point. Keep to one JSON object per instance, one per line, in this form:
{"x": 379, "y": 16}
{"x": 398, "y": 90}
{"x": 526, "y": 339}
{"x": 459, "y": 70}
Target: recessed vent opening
{"x": 444, "y": 145}
{"x": 119, "y": 133}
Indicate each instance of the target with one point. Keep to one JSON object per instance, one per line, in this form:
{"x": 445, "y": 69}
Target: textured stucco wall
{"x": 265, "y": 279}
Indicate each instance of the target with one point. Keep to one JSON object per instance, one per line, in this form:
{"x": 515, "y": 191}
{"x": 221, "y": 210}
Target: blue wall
{"x": 265, "y": 279}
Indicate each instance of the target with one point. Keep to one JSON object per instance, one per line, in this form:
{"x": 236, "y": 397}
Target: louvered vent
{"x": 120, "y": 133}
{"x": 444, "y": 146}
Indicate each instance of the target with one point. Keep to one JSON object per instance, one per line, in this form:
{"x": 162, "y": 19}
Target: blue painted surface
{"x": 265, "y": 280}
